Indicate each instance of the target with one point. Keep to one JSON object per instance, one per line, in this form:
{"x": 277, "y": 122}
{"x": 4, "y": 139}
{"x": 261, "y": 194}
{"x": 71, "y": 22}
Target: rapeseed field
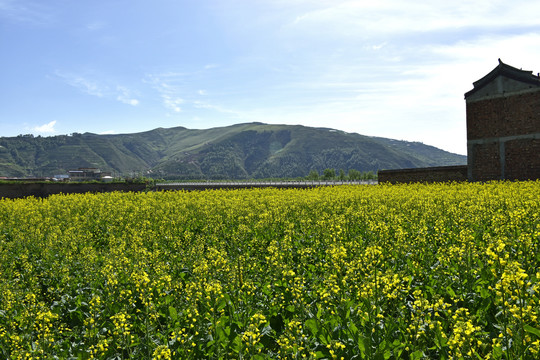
{"x": 442, "y": 271}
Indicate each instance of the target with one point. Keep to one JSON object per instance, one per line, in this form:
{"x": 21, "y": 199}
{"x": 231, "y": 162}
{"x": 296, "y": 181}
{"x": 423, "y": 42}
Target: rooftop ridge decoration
{"x": 508, "y": 71}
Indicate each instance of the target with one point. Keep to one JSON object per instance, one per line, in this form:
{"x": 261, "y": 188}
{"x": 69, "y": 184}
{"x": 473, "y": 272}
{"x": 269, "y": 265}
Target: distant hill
{"x": 252, "y": 150}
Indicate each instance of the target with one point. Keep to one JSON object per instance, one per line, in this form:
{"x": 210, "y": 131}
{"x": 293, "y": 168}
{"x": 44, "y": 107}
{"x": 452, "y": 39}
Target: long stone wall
{"x": 190, "y": 186}
{"x": 428, "y": 175}
{"x": 20, "y": 190}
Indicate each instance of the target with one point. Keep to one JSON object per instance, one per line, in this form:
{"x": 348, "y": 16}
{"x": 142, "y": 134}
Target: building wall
{"x": 523, "y": 159}
{"x": 487, "y": 165}
{"x": 503, "y": 137}
{"x": 504, "y": 116}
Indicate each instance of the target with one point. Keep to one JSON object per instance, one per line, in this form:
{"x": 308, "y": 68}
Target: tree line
{"x": 331, "y": 174}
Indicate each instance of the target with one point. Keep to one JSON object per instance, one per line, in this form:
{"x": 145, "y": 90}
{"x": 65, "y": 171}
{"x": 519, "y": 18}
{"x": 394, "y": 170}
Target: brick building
{"x": 503, "y": 132}
{"x": 503, "y": 125}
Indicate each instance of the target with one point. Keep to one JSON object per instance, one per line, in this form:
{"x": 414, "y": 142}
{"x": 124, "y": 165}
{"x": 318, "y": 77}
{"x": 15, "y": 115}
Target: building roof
{"x": 507, "y": 71}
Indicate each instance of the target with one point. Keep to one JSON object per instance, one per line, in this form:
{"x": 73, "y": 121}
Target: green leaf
{"x": 417, "y": 355}
{"x": 484, "y": 293}
{"x": 319, "y": 311}
{"x": 450, "y": 291}
{"x": 532, "y": 330}
{"x": 172, "y": 313}
{"x": 222, "y": 333}
{"x": 353, "y": 329}
{"x": 236, "y": 344}
{"x": 497, "y": 352}
{"x": 361, "y": 345}
{"x": 222, "y": 303}
{"x": 312, "y": 326}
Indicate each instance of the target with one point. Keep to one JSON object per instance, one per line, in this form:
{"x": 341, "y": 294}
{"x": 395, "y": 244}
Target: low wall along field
{"x": 428, "y": 175}
{"x": 44, "y": 189}
{"x": 440, "y": 271}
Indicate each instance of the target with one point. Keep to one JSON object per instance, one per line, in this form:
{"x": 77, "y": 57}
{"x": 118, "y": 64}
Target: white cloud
{"x": 160, "y": 82}
{"x": 125, "y": 97}
{"x": 98, "y": 88}
{"x": 367, "y": 18}
{"x": 166, "y": 84}
{"x": 107, "y": 132}
{"x": 45, "y": 128}
{"x": 172, "y": 103}
{"x": 88, "y": 86}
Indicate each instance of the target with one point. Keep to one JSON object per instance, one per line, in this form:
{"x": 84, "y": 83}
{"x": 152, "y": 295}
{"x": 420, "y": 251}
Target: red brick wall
{"x": 511, "y": 123}
{"x": 430, "y": 174}
{"x": 522, "y": 159}
{"x": 485, "y": 164}
{"x": 504, "y": 116}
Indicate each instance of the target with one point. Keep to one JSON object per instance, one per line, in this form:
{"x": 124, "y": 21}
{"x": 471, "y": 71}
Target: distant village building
{"x": 503, "y": 125}
{"x": 87, "y": 174}
{"x": 503, "y": 132}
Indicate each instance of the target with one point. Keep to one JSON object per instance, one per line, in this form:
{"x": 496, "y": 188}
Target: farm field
{"x": 441, "y": 271}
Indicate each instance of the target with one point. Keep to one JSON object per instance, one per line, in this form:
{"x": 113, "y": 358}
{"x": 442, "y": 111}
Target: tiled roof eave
{"x": 507, "y": 71}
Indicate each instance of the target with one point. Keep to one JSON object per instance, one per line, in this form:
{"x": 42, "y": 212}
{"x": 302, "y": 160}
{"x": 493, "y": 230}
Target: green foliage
{"x": 369, "y": 175}
{"x": 354, "y": 174}
{"x": 313, "y": 175}
{"x": 329, "y": 174}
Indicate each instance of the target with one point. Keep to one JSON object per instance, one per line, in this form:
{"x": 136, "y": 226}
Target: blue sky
{"x": 389, "y": 68}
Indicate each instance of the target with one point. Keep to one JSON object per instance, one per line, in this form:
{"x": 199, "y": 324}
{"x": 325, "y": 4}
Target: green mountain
{"x": 252, "y": 150}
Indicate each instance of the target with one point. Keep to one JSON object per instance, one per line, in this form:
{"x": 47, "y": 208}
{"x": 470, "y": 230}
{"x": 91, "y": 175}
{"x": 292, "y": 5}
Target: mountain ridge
{"x": 240, "y": 151}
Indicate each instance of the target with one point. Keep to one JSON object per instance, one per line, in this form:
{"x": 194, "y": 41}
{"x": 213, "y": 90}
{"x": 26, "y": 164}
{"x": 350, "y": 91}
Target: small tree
{"x": 313, "y": 175}
{"x": 370, "y": 175}
{"x": 354, "y": 174}
{"x": 342, "y": 175}
{"x": 329, "y": 174}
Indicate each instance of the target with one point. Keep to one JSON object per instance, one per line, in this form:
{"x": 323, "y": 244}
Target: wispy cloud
{"x": 172, "y": 103}
{"x": 45, "y": 128}
{"x": 98, "y": 88}
{"x": 84, "y": 84}
{"x": 166, "y": 85}
{"x": 364, "y": 18}
{"x": 124, "y": 96}
{"x": 176, "y": 92}
{"x": 23, "y": 11}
